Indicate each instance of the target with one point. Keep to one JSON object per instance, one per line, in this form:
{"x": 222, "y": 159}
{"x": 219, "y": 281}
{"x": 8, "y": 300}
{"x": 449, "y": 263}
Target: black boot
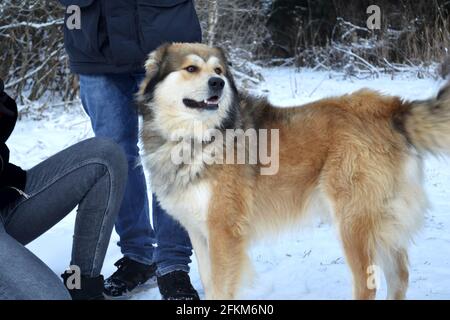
{"x": 130, "y": 277}
{"x": 177, "y": 285}
{"x": 90, "y": 288}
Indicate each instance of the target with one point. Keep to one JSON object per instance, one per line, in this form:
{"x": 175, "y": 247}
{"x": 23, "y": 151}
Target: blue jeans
{"x": 108, "y": 99}
{"x": 91, "y": 175}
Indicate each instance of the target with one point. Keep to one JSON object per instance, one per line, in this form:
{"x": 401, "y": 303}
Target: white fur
{"x": 190, "y": 206}
{"x": 407, "y": 208}
{"x": 179, "y": 121}
{"x": 404, "y": 218}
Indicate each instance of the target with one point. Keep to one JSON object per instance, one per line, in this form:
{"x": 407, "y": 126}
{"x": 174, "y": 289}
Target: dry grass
{"x": 316, "y": 33}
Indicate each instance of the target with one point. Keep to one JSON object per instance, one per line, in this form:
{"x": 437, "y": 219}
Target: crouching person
{"x": 91, "y": 175}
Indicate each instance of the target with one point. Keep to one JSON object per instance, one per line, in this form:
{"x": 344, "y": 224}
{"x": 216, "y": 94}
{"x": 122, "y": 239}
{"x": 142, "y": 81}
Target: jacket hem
{"x": 99, "y": 68}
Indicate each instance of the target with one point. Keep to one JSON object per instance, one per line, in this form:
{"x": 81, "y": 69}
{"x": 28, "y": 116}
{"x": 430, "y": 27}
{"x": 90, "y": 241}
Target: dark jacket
{"x": 117, "y": 35}
{"x": 12, "y": 178}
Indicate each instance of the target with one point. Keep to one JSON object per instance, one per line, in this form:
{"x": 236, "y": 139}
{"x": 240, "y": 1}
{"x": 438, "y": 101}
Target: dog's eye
{"x": 218, "y": 70}
{"x": 191, "y": 69}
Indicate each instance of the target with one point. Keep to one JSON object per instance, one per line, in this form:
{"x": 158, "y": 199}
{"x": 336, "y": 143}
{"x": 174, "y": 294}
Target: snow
{"x": 303, "y": 264}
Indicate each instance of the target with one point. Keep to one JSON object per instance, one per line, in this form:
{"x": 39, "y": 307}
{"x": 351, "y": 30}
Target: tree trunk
{"x": 213, "y": 17}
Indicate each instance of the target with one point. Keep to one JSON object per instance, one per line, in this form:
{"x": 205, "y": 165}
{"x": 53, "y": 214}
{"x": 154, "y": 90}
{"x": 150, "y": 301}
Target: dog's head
{"x": 187, "y": 84}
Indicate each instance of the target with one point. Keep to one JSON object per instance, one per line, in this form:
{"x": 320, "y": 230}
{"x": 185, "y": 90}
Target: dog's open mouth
{"x": 211, "y": 103}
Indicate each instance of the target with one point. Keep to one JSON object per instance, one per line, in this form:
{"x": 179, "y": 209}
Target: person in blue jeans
{"x": 108, "y": 52}
{"x": 90, "y": 176}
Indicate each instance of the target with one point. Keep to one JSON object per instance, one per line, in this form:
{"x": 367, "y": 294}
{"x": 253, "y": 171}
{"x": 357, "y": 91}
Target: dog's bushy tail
{"x": 426, "y": 124}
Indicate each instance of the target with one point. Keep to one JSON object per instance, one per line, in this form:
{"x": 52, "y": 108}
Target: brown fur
{"x": 327, "y": 144}
{"x": 360, "y": 153}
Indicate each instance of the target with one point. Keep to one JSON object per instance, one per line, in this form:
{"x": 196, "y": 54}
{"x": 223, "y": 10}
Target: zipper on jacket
{"x": 22, "y": 193}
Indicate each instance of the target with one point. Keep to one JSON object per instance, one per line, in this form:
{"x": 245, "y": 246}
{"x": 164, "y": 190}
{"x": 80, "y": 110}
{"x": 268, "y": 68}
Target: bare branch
{"x": 33, "y": 24}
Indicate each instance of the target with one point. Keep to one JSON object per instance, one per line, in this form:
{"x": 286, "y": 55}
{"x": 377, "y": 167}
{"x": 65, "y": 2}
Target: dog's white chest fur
{"x": 190, "y": 206}
{"x": 180, "y": 193}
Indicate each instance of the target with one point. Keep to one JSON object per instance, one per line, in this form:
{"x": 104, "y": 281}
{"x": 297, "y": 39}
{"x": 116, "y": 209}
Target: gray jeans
{"x": 91, "y": 174}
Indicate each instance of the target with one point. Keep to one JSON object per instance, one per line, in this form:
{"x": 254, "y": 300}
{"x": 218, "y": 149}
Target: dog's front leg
{"x": 228, "y": 258}
{"x": 200, "y": 245}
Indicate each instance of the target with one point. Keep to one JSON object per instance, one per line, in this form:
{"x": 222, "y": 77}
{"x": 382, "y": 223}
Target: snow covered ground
{"x": 306, "y": 264}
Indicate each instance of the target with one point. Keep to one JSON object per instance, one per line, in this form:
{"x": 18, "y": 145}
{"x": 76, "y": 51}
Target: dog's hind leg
{"x": 395, "y": 267}
{"x": 376, "y": 234}
{"x": 378, "y": 203}
{"x": 375, "y": 240}
{"x": 360, "y": 254}
{"x": 404, "y": 214}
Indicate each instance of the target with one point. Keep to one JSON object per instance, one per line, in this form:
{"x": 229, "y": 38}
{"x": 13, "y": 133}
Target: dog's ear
{"x": 152, "y": 68}
{"x": 224, "y": 57}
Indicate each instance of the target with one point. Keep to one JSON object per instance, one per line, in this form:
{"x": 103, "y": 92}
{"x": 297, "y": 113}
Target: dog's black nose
{"x": 216, "y": 83}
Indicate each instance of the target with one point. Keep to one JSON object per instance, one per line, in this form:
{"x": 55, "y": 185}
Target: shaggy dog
{"x": 359, "y": 154}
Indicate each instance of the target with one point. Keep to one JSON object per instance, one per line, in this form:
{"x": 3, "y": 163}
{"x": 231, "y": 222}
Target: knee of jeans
{"x": 128, "y": 143}
{"x": 113, "y": 156}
